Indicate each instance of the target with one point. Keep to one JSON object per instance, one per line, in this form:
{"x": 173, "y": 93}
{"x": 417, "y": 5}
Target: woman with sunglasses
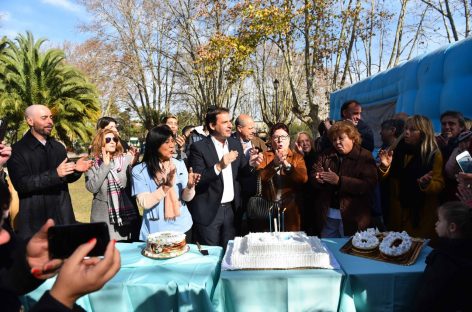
{"x": 107, "y": 180}
{"x": 162, "y": 186}
{"x": 283, "y": 173}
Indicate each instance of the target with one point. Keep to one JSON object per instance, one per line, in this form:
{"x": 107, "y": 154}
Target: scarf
{"x": 171, "y": 200}
{"x": 120, "y": 209}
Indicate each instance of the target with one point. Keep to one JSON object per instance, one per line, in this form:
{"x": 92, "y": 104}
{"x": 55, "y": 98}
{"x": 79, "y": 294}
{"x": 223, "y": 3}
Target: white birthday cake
{"x": 281, "y": 250}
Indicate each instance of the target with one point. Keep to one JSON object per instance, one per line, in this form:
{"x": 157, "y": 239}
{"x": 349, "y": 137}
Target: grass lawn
{"x": 81, "y": 200}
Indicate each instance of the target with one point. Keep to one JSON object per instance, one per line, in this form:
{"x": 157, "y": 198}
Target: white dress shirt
{"x": 228, "y": 188}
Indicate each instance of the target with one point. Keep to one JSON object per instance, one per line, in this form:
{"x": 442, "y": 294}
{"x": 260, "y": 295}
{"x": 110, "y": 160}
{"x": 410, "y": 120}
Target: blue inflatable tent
{"x": 427, "y": 85}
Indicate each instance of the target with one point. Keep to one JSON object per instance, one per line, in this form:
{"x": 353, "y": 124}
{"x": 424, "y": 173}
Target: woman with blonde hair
{"x": 415, "y": 173}
{"x": 107, "y": 180}
{"x": 344, "y": 178}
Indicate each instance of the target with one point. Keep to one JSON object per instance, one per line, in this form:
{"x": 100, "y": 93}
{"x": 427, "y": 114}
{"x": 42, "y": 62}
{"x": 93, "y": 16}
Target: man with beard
{"x": 40, "y": 171}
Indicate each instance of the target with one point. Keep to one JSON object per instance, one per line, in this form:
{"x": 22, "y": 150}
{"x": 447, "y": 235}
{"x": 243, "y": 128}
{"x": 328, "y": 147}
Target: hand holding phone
{"x": 63, "y": 240}
{"x": 465, "y": 162}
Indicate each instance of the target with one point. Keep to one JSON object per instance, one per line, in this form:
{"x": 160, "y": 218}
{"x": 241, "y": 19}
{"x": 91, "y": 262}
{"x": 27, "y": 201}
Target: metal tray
{"x": 407, "y": 259}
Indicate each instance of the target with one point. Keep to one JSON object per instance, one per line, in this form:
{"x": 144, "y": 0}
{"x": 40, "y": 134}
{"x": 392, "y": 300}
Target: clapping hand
{"x": 464, "y": 193}
{"x": 78, "y": 277}
{"x": 65, "y": 168}
{"x": 170, "y": 180}
{"x": 5, "y": 153}
{"x": 83, "y": 164}
{"x": 106, "y": 156}
{"x": 180, "y": 140}
{"x": 425, "y": 180}
{"x": 328, "y": 177}
{"x": 227, "y": 159}
{"x": 280, "y": 157}
{"x": 255, "y": 158}
{"x": 385, "y": 157}
{"x": 193, "y": 178}
{"x": 133, "y": 151}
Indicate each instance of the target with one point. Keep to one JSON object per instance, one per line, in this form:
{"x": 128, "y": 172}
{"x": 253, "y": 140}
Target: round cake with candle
{"x": 395, "y": 244}
{"x": 164, "y": 245}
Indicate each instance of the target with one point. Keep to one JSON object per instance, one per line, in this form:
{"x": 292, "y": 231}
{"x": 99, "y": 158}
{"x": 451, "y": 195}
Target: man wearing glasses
{"x": 40, "y": 172}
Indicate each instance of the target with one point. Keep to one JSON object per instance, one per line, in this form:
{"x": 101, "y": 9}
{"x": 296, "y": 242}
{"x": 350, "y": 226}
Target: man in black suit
{"x": 220, "y": 160}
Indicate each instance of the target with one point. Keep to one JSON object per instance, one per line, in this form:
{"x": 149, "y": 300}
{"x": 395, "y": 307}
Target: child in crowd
{"x": 447, "y": 280}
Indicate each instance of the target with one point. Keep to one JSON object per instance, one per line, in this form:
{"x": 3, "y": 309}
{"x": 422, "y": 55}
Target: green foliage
{"x": 29, "y": 76}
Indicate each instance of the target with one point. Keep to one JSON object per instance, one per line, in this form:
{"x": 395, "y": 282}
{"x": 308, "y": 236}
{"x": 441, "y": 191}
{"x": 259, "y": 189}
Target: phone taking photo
{"x": 63, "y": 240}
{"x": 465, "y": 162}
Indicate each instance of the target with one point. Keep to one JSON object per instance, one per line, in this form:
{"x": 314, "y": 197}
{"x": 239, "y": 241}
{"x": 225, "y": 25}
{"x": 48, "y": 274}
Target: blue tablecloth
{"x": 185, "y": 283}
{"x": 281, "y": 290}
{"x": 371, "y": 285}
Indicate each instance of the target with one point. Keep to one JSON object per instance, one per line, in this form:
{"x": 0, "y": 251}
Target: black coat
{"x": 43, "y": 194}
{"x": 447, "y": 279}
{"x": 209, "y": 190}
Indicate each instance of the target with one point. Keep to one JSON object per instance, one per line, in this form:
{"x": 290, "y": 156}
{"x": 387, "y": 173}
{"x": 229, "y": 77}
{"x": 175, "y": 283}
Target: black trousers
{"x": 219, "y": 231}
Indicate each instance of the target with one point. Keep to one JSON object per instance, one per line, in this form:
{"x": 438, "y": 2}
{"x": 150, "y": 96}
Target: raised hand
{"x": 227, "y": 159}
{"x": 78, "y": 277}
{"x": 83, "y": 164}
{"x": 133, "y": 151}
{"x": 65, "y": 168}
{"x": 37, "y": 254}
{"x": 193, "y": 178}
{"x": 385, "y": 157}
{"x": 299, "y": 149}
{"x": 106, "y": 156}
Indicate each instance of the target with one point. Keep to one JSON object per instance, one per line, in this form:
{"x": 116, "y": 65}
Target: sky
{"x": 55, "y": 20}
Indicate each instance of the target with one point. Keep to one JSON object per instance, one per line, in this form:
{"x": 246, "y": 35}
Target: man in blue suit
{"x": 220, "y": 160}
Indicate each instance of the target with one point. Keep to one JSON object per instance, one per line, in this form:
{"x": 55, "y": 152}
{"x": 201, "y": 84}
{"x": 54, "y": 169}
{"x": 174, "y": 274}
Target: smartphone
{"x": 465, "y": 162}
{"x": 63, "y": 240}
{"x": 3, "y": 129}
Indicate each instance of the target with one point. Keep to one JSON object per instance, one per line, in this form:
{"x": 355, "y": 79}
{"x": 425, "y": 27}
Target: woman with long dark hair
{"x": 162, "y": 186}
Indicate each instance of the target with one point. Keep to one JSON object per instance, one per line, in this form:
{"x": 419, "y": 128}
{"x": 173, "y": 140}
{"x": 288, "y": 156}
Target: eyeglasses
{"x": 108, "y": 140}
{"x": 280, "y": 138}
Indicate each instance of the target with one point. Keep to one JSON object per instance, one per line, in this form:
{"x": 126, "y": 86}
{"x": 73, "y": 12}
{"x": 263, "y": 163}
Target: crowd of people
{"x": 201, "y": 181}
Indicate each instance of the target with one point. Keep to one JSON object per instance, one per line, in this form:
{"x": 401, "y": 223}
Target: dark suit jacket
{"x": 209, "y": 190}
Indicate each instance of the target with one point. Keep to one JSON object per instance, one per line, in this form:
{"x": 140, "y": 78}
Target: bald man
{"x": 246, "y": 134}
{"x": 40, "y": 172}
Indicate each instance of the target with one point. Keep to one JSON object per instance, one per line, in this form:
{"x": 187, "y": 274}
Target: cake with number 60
{"x": 163, "y": 245}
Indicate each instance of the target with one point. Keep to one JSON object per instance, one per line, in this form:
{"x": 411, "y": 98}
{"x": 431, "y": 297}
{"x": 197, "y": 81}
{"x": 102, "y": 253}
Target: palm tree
{"x": 29, "y": 76}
